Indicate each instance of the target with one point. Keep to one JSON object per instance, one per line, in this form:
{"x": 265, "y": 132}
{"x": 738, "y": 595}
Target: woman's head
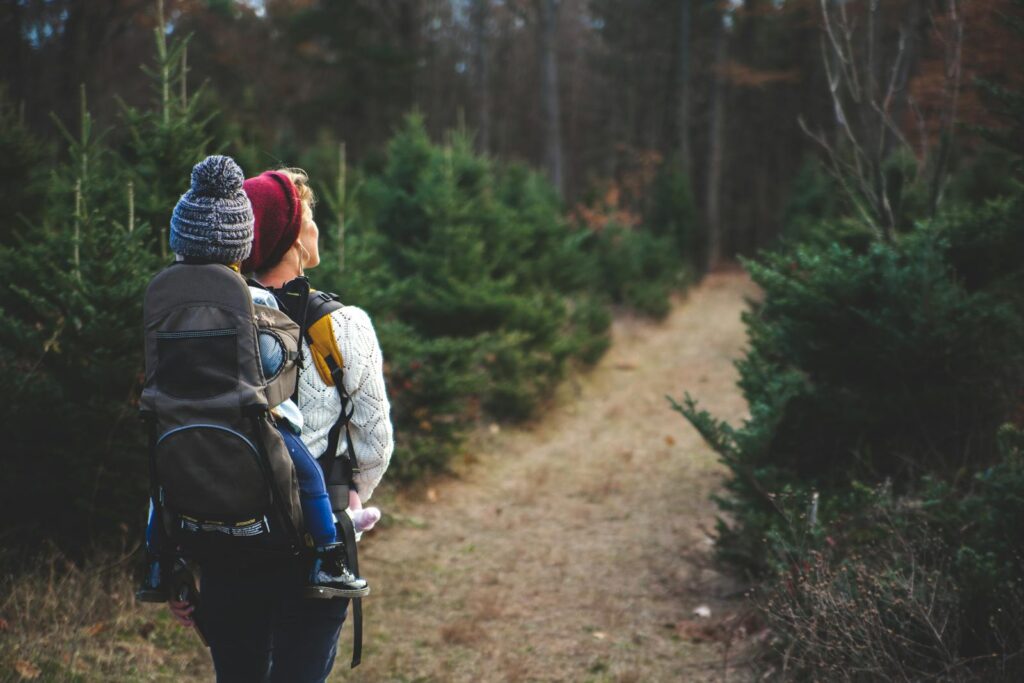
{"x": 285, "y": 234}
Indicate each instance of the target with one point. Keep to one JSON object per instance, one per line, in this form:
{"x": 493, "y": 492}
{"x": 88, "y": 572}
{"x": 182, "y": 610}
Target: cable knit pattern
{"x": 372, "y": 435}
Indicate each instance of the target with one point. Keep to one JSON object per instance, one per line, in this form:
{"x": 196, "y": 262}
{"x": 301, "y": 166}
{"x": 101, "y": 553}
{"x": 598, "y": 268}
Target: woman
{"x": 255, "y": 620}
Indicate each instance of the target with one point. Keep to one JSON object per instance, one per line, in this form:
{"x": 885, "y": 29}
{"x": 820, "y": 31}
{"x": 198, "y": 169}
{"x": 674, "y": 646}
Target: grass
{"x": 71, "y": 621}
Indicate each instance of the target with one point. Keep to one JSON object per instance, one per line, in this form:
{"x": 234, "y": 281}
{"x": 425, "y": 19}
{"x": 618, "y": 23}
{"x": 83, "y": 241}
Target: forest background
{"x": 495, "y": 178}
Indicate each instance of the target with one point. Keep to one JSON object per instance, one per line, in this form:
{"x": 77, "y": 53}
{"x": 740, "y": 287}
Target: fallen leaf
{"x": 600, "y": 635}
{"x": 625, "y": 365}
{"x": 696, "y": 631}
{"x": 95, "y": 629}
{"x": 27, "y": 669}
{"x": 495, "y": 428}
{"x": 432, "y": 495}
{"x": 702, "y": 611}
{"x": 670, "y": 441}
{"x": 4, "y": 626}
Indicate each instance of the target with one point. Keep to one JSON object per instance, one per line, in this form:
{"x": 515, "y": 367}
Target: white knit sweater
{"x": 372, "y": 435}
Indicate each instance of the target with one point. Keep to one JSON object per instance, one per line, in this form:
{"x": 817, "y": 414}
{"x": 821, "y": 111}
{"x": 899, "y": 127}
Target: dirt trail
{"x": 569, "y": 549}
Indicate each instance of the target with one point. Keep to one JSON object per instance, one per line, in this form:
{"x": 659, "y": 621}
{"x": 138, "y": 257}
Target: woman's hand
{"x": 182, "y": 612}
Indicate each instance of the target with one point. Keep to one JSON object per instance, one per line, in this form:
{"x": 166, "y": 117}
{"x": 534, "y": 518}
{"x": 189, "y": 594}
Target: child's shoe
{"x": 330, "y": 576}
{"x": 154, "y": 582}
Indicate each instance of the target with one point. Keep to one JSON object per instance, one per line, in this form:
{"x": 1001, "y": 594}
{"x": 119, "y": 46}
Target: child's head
{"x": 213, "y": 221}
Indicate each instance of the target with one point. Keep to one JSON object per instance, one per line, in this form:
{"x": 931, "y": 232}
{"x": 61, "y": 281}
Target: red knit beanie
{"x": 278, "y": 212}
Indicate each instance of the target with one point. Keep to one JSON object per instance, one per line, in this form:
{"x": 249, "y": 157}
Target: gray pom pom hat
{"x": 213, "y": 221}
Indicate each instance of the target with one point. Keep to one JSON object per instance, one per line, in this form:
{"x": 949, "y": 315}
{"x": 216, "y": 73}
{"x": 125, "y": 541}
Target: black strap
{"x": 339, "y": 480}
{"x": 348, "y": 468}
{"x": 348, "y": 533}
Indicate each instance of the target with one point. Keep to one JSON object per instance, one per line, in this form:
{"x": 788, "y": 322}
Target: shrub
{"x": 638, "y": 269}
{"x": 888, "y": 617}
{"x": 888, "y": 364}
{"x": 672, "y": 214}
{"x": 926, "y": 585}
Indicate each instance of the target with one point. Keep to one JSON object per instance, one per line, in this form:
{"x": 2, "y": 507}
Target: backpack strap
{"x": 318, "y": 329}
{"x": 330, "y": 364}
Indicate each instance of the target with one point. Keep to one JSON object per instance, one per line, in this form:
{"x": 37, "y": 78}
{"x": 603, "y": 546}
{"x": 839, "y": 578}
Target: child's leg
{"x": 153, "y": 587}
{"x": 316, "y": 505}
{"x": 152, "y": 533}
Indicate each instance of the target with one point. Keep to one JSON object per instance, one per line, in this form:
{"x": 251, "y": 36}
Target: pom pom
{"x": 217, "y": 176}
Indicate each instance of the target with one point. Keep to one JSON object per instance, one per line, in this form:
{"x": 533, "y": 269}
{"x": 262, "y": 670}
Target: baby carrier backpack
{"x": 222, "y": 481}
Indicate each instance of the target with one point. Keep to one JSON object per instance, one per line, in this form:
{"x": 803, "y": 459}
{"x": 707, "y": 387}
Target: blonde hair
{"x": 300, "y": 179}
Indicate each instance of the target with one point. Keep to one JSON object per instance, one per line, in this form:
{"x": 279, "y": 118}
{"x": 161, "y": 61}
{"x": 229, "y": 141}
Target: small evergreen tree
{"x": 23, "y": 165}
{"x": 480, "y": 293}
{"x": 70, "y": 356}
{"x": 168, "y": 138}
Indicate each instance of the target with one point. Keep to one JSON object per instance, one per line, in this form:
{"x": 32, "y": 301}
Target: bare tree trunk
{"x": 713, "y": 198}
{"x": 548, "y": 11}
{"x": 951, "y": 94}
{"x": 340, "y": 198}
{"x": 410, "y": 24}
{"x": 12, "y": 66}
{"x": 683, "y": 114}
{"x": 481, "y": 13}
{"x": 869, "y": 95}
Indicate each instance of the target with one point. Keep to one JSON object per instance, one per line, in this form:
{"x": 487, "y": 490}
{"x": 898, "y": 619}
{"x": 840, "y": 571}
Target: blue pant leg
{"x": 154, "y": 532}
{"x": 237, "y": 611}
{"x": 316, "y": 504}
{"x": 306, "y": 639}
{"x": 260, "y": 628}
{"x": 152, "y": 535}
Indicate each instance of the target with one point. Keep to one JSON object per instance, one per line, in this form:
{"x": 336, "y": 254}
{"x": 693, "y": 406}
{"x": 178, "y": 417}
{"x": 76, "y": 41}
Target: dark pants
{"x": 261, "y": 629}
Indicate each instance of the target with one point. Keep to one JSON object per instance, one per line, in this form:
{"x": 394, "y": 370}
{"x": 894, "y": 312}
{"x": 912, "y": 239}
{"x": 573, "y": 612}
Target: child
{"x": 213, "y": 222}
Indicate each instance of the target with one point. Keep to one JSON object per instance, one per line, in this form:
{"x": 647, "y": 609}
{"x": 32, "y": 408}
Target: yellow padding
{"x": 325, "y": 344}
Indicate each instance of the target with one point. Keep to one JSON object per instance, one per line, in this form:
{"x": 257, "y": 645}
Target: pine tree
{"x": 168, "y": 138}
{"x": 23, "y": 160}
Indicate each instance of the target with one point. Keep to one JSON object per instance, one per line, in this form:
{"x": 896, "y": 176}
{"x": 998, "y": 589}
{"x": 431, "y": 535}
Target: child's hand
{"x": 182, "y": 611}
{"x": 364, "y": 519}
{"x": 354, "y": 503}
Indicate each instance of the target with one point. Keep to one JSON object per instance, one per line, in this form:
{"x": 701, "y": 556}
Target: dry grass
{"x": 70, "y": 622}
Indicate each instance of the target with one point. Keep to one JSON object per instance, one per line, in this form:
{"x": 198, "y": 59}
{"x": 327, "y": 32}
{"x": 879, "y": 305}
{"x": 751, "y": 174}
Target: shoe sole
{"x": 150, "y": 596}
{"x": 324, "y": 593}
